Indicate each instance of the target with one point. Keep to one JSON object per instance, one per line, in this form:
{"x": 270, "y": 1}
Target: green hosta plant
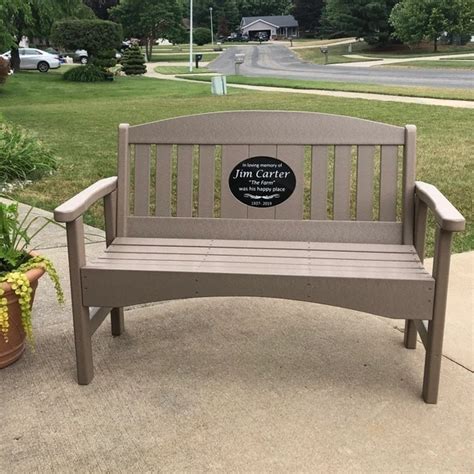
{"x": 15, "y": 260}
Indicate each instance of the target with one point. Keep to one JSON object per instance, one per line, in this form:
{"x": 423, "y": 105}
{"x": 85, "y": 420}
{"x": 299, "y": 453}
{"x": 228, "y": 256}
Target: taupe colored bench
{"x": 328, "y": 235}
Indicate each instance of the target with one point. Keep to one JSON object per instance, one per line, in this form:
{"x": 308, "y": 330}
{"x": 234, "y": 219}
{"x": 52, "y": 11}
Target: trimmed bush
{"x": 95, "y": 36}
{"x": 23, "y": 156}
{"x": 88, "y": 73}
{"x": 133, "y": 61}
{"x": 201, "y": 36}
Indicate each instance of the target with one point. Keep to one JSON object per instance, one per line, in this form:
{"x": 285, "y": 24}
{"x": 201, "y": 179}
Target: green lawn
{"x": 423, "y": 50}
{"x": 80, "y": 122}
{"x": 449, "y": 64}
{"x": 436, "y": 93}
{"x": 180, "y": 69}
{"x": 337, "y": 54}
{"x": 183, "y": 57}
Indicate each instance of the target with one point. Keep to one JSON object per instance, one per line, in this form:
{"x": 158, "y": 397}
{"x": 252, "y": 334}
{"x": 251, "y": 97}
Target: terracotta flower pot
{"x": 12, "y": 350}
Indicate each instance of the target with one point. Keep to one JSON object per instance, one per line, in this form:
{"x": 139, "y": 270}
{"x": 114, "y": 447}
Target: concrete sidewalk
{"x": 237, "y": 384}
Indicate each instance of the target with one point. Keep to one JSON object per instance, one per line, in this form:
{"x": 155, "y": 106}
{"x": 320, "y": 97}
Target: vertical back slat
{"x": 388, "y": 183}
{"x": 142, "y": 180}
{"x": 293, "y": 156}
{"x": 319, "y": 186}
{"x": 184, "y": 202}
{"x": 206, "y": 181}
{"x": 163, "y": 180}
{"x": 408, "y": 188}
{"x": 342, "y": 182}
{"x": 230, "y": 206}
{"x": 365, "y": 183}
{"x": 123, "y": 179}
{"x": 258, "y": 212}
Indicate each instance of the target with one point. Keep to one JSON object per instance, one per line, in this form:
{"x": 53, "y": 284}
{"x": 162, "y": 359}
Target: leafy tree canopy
{"x": 368, "y": 19}
{"x": 416, "y": 20}
{"x": 148, "y": 20}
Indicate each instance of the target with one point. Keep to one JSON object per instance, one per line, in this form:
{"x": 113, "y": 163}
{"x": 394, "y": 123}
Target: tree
{"x": 416, "y": 20}
{"x": 33, "y": 18}
{"x": 308, "y": 13}
{"x": 368, "y": 19}
{"x": 264, "y": 7}
{"x": 148, "y": 20}
{"x": 101, "y": 7}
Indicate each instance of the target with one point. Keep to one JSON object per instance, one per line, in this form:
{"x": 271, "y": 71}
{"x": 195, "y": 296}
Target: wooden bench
{"x": 303, "y": 206}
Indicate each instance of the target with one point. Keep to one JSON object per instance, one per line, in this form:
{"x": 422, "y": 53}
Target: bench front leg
{"x": 80, "y": 313}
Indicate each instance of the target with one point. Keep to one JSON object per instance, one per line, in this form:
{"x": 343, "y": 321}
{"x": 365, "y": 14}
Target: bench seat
{"x": 383, "y": 279}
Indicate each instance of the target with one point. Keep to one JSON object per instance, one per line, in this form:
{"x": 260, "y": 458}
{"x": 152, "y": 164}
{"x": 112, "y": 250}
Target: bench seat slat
{"x": 137, "y": 241}
{"x": 293, "y": 253}
{"x": 259, "y": 259}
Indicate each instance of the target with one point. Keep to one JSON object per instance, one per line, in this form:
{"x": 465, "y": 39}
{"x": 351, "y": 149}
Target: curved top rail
{"x": 267, "y": 128}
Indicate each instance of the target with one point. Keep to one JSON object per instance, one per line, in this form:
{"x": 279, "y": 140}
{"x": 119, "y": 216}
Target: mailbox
{"x": 324, "y": 49}
{"x": 197, "y": 58}
{"x": 239, "y": 58}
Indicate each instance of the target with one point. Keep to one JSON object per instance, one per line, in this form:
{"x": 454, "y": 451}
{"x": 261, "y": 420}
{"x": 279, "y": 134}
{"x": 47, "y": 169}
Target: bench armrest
{"x": 446, "y": 215}
{"x": 77, "y": 205}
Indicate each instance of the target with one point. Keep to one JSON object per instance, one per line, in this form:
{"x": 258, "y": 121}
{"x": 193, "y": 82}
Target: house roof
{"x": 278, "y": 21}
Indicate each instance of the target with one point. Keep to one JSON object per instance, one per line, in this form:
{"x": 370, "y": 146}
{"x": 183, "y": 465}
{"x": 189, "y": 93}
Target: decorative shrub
{"x": 201, "y": 36}
{"x": 133, "y": 61}
{"x": 4, "y": 69}
{"x": 23, "y": 156}
{"x": 88, "y": 73}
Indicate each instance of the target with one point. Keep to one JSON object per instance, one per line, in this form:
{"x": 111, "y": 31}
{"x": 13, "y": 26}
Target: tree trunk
{"x": 436, "y": 44}
{"x": 15, "y": 59}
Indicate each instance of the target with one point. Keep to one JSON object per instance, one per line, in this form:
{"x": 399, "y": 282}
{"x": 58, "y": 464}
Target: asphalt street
{"x": 273, "y": 60}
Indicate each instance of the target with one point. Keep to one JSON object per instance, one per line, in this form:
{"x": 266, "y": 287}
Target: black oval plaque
{"x": 262, "y": 181}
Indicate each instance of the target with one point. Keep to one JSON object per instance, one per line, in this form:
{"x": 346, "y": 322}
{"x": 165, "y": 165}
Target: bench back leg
{"x": 409, "y": 339}
{"x": 434, "y": 344}
{"x": 80, "y": 313}
{"x": 116, "y": 318}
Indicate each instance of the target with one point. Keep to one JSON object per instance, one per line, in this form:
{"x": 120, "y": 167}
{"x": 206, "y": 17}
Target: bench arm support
{"x": 80, "y": 203}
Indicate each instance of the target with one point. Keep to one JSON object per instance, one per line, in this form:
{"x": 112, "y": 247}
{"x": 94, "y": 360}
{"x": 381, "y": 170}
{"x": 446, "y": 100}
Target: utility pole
{"x": 212, "y": 29}
{"x": 190, "y": 35}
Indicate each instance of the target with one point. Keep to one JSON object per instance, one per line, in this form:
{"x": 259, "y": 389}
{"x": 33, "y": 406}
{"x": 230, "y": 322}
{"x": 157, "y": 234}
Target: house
{"x": 284, "y": 26}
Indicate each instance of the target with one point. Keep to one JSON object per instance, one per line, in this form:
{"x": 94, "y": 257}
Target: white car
{"x": 31, "y": 58}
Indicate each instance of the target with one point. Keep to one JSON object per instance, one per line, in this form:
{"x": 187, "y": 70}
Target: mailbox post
{"x": 325, "y": 51}
{"x": 238, "y": 60}
{"x": 197, "y": 58}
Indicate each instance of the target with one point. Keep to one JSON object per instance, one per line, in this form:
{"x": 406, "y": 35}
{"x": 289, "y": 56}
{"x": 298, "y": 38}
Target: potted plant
{"x": 20, "y": 270}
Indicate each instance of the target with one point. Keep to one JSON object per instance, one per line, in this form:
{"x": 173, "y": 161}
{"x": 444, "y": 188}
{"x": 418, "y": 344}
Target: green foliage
{"x": 148, "y": 19}
{"x": 368, "y": 19}
{"x": 416, "y": 20}
{"x": 133, "y": 61}
{"x": 15, "y": 261}
{"x": 87, "y": 73}
{"x": 95, "y": 36}
{"x": 201, "y": 36}
{"x": 23, "y": 156}
{"x": 308, "y": 13}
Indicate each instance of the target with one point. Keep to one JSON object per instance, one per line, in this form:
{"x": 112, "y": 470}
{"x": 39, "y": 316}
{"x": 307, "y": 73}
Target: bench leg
{"x": 83, "y": 342}
{"x": 116, "y": 319}
{"x": 409, "y": 338}
{"x": 434, "y": 346}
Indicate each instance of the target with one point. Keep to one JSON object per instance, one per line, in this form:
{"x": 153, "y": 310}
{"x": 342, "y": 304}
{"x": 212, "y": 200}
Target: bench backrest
{"x": 347, "y": 169}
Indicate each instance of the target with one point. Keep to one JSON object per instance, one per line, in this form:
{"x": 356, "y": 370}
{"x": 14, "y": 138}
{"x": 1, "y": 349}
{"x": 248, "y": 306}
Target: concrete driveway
{"x": 275, "y": 60}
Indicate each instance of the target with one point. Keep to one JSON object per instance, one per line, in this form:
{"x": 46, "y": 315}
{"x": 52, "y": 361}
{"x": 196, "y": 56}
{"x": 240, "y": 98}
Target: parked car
{"x": 78, "y": 56}
{"x": 237, "y": 37}
{"x": 31, "y": 58}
